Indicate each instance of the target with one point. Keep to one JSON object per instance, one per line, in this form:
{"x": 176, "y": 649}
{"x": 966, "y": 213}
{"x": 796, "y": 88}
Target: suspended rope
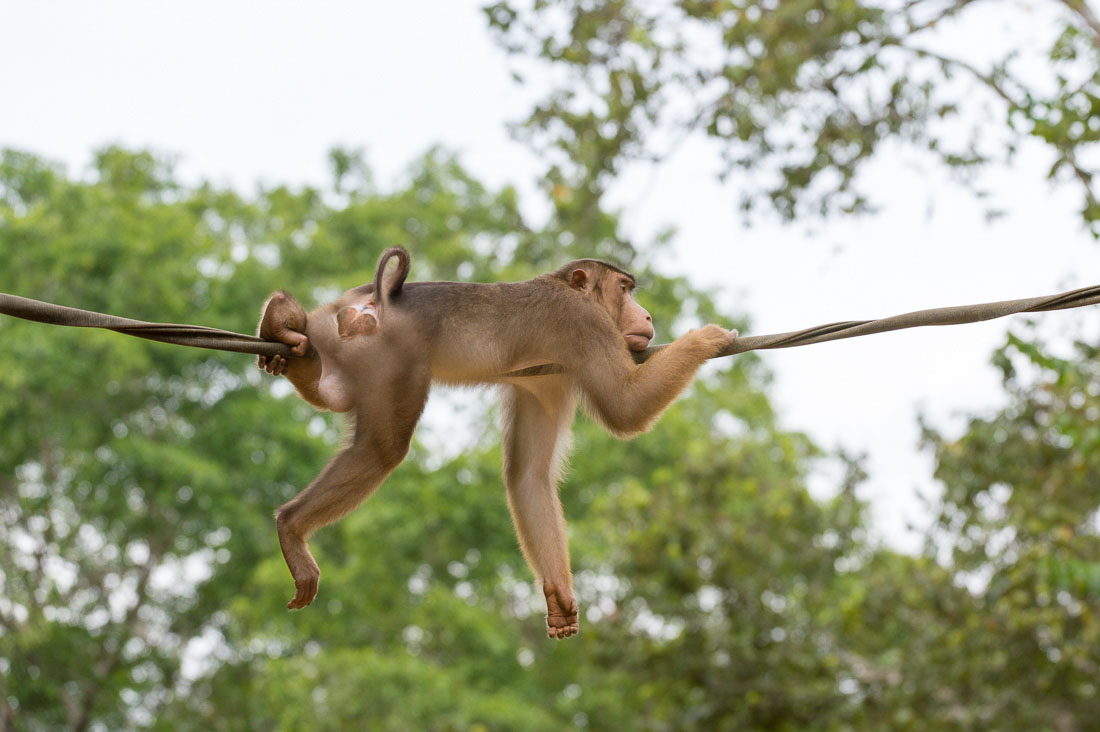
{"x": 199, "y": 336}
{"x": 936, "y": 316}
{"x": 196, "y": 336}
{"x": 851, "y": 328}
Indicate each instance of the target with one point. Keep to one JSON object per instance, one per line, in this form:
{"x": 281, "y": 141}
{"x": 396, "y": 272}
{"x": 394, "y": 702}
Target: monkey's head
{"x": 613, "y": 288}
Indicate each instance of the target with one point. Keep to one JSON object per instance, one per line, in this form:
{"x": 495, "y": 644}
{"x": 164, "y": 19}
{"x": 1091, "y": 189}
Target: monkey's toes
{"x": 299, "y": 601}
{"x": 561, "y": 612}
{"x": 560, "y": 627}
{"x": 307, "y": 590}
{"x": 275, "y": 366}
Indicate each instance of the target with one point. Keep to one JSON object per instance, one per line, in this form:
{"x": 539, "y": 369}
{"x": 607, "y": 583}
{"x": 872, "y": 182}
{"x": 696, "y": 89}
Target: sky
{"x": 247, "y": 92}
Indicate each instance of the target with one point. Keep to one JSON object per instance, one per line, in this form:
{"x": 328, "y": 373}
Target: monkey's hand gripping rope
{"x": 223, "y": 340}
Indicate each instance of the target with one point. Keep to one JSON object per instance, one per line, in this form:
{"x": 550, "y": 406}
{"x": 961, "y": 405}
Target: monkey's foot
{"x": 561, "y": 612}
{"x": 306, "y": 585}
{"x": 307, "y": 575}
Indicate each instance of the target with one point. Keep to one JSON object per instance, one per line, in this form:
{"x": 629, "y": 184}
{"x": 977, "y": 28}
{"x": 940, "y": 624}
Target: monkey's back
{"x": 474, "y": 329}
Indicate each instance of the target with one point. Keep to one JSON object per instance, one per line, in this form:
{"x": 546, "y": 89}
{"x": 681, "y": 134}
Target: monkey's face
{"x": 635, "y": 323}
{"x": 613, "y": 289}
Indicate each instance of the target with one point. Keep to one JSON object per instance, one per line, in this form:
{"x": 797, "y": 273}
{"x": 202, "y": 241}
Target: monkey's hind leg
{"x": 385, "y": 421}
{"x": 536, "y": 438}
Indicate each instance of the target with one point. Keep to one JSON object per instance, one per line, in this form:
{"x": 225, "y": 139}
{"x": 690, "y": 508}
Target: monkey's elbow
{"x": 622, "y": 429}
{"x": 622, "y": 424}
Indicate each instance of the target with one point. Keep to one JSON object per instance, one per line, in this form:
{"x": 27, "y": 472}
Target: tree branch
{"x": 1082, "y": 175}
{"x": 987, "y": 79}
{"x": 1081, "y": 9}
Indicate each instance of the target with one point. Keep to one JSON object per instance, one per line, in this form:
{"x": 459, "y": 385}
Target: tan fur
{"x": 582, "y": 317}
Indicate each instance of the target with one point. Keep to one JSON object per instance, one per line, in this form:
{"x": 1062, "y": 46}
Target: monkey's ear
{"x": 355, "y": 321}
{"x": 578, "y": 279}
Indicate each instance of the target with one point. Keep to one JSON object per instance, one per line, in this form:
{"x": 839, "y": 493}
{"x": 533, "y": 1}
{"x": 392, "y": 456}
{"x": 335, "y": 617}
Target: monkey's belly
{"x": 465, "y": 365}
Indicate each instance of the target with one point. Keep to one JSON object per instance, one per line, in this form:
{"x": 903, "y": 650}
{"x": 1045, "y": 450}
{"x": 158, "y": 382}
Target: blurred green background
{"x": 142, "y": 586}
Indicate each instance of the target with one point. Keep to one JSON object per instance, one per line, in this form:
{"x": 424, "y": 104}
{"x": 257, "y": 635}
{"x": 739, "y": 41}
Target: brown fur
{"x": 582, "y": 317}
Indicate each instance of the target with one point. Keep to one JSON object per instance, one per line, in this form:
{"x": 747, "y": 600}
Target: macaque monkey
{"x": 376, "y": 350}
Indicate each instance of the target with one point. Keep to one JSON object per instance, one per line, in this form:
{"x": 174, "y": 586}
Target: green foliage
{"x": 1019, "y": 520}
{"x": 798, "y": 95}
{"x": 142, "y": 585}
{"x": 137, "y": 480}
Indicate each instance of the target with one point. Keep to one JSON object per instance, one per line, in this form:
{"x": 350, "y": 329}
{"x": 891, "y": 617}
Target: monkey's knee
{"x": 284, "y": 321}
{"x": 285, "y": 303}
{"x": 281, "y": 312}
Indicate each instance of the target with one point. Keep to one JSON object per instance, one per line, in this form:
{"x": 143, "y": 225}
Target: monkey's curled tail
{"x": 388, "y": 284}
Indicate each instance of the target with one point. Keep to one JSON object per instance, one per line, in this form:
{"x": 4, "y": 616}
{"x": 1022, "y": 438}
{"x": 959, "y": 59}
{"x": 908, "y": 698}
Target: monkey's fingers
{"x": 733, "y": 336}
{"x": 716, "y": 336}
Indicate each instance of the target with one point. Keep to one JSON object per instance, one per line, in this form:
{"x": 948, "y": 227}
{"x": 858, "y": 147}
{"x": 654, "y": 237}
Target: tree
{"x": 142, "y": 583}
{"x": 1018, "y": 521}
{"x": 136, "y": 480}
{"x": 142, "y": 586}
{"x": 117, "y": 502}
{"x": 797, "y": 96}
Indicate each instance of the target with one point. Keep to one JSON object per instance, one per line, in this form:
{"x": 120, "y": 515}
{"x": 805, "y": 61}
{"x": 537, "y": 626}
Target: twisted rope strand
{"x": 198, "y": 336}
{"x": 936, "y": 316}
{"x": 956, "y": 315}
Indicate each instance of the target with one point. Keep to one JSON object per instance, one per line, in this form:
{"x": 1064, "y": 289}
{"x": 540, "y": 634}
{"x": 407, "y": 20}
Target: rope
{"x": 936, "y": 316}
{"x": 199, "y": 336}
{"x": 852, "y": 328}
{"x": 196, "y": 336}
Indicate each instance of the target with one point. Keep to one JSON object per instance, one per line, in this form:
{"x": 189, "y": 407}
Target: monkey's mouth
{"x": 637, "y": 341}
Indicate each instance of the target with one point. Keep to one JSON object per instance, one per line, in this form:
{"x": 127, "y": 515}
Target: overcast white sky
{"x": 260, "y": 91}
